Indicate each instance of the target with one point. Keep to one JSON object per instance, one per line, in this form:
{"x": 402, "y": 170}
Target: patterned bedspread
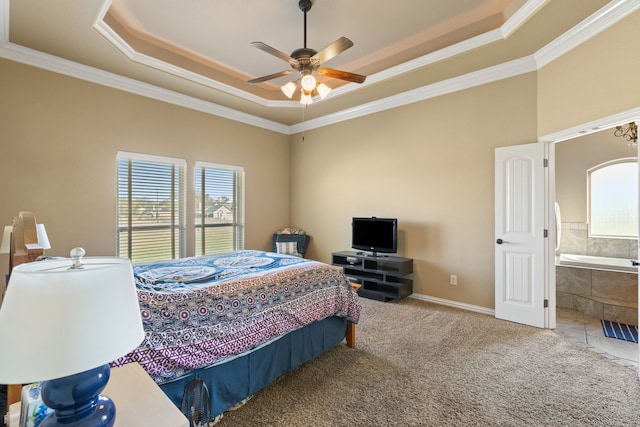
{"x": 204, "y": 310}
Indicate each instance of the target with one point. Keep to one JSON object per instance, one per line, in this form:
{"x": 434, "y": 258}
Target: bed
{"x": 237, "y": 320}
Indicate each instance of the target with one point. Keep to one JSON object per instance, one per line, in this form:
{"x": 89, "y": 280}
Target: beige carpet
{"x": 421, "y": 364}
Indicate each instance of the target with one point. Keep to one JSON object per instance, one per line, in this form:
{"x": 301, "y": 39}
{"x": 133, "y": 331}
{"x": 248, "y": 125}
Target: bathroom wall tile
{"x": 573, "y": 280}
{"x": 633, "y": 249}
{"x": 620, "y": 314}
{"x": 574, "y": 225}
{"x": 614, "y": 248}
{"x": 589, "y": 307}
{"x": 565, "y": 300}
{"x": 575, "y": 286}
{"x": 573, "y": 242}
{"x": 613, "y": 285}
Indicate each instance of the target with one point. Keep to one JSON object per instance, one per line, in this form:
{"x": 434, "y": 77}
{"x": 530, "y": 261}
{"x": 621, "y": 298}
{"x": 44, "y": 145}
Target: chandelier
{"x": 629, "y": 132}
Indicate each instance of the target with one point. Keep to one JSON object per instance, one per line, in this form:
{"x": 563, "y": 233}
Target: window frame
{"x": 177, "y": 215}
{"x": 590, "y": 171}
{"x": 237, "y": 223}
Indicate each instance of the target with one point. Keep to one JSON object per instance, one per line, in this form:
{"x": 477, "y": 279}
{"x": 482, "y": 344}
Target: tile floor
{"x": 587, "y": 332}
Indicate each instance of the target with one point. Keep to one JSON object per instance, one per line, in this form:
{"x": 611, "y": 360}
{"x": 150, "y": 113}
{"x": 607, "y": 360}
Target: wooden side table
{"x": 139, "y": 401}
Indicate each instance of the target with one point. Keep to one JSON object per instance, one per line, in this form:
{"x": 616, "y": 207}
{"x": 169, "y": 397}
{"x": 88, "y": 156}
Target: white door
{"x": 520, "y": 234}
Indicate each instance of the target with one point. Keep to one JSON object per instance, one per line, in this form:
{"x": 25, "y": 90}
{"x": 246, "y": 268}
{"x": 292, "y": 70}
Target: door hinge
{"x": 545, "y": 163}
{"x": 546, "y": 233}
{"x": 546, "y": 303}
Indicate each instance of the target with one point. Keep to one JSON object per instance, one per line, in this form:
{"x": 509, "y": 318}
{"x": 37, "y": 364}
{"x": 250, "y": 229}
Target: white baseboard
{"x": 456, "y": 304}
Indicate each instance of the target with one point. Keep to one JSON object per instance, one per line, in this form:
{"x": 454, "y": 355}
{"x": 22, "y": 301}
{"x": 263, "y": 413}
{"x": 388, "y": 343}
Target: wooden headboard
{"x": 25, "y": 234}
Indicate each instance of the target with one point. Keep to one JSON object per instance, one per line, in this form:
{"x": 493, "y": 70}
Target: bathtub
{"x": 597, "y": 262}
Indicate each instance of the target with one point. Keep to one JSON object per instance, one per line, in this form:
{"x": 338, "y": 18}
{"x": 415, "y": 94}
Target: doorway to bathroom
{"x": 595, "y": 136}
{"x": 595, "y": 275}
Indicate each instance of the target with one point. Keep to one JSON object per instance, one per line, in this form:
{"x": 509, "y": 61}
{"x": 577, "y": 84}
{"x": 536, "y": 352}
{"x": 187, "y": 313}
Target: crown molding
{"x": 119, "y": 43}
{"x": 598, "y": 22}
{"x": 593, "y": 25}
{"x": 530, "y": 7}
{"x": 444, "y": 87}
{"x": 608, "y": 122}
{"x": 499, "y": 34}
{"x": 590, "y": 27}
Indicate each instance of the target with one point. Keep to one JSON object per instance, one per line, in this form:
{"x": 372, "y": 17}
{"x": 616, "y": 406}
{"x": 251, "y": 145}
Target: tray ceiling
{"x": 198, "y": 52}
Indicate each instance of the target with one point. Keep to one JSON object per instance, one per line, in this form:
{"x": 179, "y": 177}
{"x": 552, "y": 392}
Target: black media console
{"x": 382, "y": 277}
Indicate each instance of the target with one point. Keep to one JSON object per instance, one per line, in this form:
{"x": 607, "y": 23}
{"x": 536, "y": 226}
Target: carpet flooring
{"x": 422, "y": 364}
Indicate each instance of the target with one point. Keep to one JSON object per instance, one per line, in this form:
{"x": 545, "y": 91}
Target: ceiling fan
{"x": 305, "y": 61}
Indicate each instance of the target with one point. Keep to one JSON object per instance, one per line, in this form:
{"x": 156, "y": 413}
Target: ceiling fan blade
{"x": 331, "y": 51}
{"x": 275, "y": 52}
{"x": 270, "y": 76}
{"x": 342, "y": 75}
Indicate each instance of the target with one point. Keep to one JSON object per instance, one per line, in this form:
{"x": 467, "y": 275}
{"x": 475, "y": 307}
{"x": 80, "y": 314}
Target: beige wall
{"x": 431, "y": 164}
{"x": 597, "y": 79}
{"x": 573, "y": 158}
{"x": 438, "y": 157}
{"x": 59, "y": 140}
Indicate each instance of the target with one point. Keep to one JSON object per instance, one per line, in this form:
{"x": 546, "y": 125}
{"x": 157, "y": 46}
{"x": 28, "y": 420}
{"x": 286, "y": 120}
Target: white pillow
{"x": 287, "y": 248}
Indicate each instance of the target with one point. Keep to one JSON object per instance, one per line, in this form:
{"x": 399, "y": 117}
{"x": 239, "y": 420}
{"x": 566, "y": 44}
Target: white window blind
{"x": 151, "y": 202}
{"x": 613, "y": 199}
{"x": 219, "y": 200}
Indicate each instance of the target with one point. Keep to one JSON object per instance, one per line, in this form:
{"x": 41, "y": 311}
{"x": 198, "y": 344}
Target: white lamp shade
{"x": 323, "y": 90}
{"x": 305, "y": 98}
{"x": 289, "y": 89}
{"x": 43, "y": 239}
{"x": 56, "y": 321}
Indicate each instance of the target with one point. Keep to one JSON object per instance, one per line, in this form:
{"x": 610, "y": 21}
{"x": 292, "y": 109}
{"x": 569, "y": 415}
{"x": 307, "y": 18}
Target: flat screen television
{"x": 377, "y": 235}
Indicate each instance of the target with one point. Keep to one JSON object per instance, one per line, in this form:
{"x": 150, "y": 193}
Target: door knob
{"x": 500, "y": 241}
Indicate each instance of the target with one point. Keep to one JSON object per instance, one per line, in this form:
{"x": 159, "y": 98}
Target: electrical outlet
{"x": 453, "y": 279}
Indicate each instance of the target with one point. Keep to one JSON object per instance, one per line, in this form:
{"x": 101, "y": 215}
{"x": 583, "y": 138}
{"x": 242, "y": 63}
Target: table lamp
{"x": 61, "y": 322}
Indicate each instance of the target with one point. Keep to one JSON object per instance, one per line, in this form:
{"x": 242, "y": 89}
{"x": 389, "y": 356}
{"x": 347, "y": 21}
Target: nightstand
{"x": 139, "y": 401}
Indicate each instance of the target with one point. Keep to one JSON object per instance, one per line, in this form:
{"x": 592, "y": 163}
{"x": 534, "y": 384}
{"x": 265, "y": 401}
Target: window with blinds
{"x": 151, "y": 202}
{"x": 219, "y": 217}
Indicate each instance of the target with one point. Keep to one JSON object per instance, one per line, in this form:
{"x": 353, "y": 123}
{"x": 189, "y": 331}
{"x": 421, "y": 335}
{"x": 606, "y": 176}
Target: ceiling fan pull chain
{"x": 303, "y": 111}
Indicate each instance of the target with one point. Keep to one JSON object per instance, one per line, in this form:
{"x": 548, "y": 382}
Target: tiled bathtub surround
{"x": 597, "y": 293}
{"x": 602, "y": 294}
{"x": 575, "y": 240}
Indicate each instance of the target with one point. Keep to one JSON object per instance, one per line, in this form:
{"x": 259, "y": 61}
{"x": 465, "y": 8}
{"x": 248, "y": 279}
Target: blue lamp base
{"x": 76, "y": 400}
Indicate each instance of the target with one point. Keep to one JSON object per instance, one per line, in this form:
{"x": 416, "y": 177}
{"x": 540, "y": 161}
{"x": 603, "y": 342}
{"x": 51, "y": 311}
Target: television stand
{"x": 376, "y": 255}
{"x": 382, "y": 278}
{"x": 372, "y": 254}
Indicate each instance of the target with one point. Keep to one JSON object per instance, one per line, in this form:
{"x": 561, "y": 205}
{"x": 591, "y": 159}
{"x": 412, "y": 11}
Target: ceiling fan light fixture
{"x": 323, "y": 90}
{"x": 306, "y": 61}
{"x": 288, "y": 89}
{"x": 305, "y": 98}
{"x": 308, "y": 82}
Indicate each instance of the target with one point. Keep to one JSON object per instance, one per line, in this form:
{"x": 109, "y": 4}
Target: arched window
{"x": 613, "y": 199}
